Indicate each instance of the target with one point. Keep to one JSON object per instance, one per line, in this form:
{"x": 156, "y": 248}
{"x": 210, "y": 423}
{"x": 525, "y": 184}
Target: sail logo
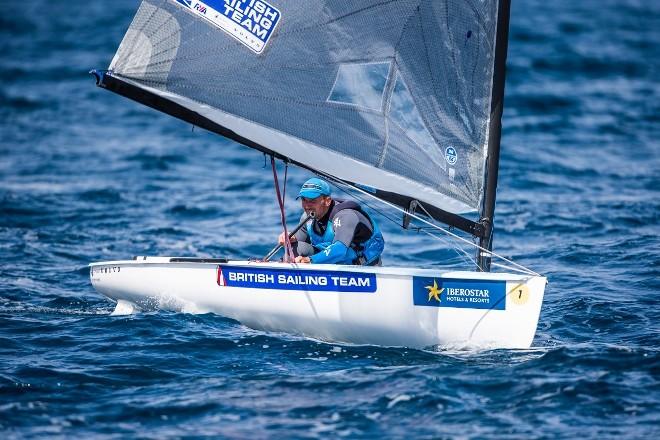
{"x": 296, "y": 279}
{"x": 251, "y": 22}
{"x": 457, "y": 293}
{"x": 451, "y": 156}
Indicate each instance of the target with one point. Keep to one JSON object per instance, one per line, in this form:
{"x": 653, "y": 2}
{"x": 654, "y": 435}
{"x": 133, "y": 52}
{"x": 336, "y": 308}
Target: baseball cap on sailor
{"x": 314, "y": 188}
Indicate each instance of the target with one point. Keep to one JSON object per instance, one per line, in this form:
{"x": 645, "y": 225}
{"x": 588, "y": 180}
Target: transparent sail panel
{"x": 361, "y": 85}
{"x": 404, "y": 113}
{"x": 399, "y": 88}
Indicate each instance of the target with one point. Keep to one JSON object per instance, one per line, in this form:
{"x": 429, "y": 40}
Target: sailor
{"x": 342, "y": 232}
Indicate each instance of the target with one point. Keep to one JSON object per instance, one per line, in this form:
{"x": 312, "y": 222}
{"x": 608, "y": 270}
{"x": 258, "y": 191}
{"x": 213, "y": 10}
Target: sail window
{"x": 360, "y": 84}
{"x": 404, "y": 113}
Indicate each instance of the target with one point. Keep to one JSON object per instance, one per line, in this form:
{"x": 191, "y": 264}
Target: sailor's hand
{"x": 280, "y": 239}
{"x": 300, "y": 259}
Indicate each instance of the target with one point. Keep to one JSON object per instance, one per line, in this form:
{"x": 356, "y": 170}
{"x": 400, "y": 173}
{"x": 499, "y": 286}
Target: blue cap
{"x": 314, "y": 188}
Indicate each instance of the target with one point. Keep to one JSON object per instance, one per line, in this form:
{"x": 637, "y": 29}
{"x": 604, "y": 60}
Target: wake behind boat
{"x": 400, "y": 101}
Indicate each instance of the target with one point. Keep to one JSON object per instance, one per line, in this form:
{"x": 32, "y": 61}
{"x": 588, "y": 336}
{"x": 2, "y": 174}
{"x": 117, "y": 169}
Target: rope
{"x": 288, "y": 250}
{"x": 461, "y": 252}
{"x": 520, "y": 267}
{"x": 456, "y": 248}
{"x": 286, "y": 172}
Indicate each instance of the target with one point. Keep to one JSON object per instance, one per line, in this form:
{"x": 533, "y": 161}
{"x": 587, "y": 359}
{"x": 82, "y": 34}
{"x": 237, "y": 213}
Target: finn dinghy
{"x": 400, "y": 100}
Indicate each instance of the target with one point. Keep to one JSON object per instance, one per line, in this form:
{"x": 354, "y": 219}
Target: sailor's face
{"x": 319, "y": 206}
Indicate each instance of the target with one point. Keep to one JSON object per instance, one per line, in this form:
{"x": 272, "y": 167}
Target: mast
{"x": 494, "y": 134}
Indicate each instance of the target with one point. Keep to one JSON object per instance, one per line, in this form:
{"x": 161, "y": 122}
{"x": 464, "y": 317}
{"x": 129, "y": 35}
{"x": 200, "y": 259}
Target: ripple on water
{"x": 86, "y": 176}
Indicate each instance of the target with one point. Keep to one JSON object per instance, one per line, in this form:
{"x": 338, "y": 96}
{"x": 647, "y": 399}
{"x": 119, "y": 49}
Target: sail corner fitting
{"x": 99, "y": 76}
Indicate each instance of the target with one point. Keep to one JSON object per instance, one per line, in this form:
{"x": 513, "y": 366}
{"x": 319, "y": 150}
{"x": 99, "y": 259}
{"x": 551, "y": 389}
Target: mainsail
{"x": 394, "y": 95}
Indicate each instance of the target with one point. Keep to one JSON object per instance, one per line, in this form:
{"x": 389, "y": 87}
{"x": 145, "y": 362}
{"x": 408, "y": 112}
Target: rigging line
{"x": 288, "y": 250}
{"x": 379, "y": 211}
{"x": 504, "y": 266}
{"x": 470, "y": 259}
{"x": 453, "y": 245}
{"x": 474, "y": 242}
{"x": 458, "y": 237}
{"x": 459, "y": 251}
{"x": 361, "y": 200}
{"x": 286, "y": 171}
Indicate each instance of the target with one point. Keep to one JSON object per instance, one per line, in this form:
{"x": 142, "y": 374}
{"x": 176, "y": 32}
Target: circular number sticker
{"x": 519, "y": 294}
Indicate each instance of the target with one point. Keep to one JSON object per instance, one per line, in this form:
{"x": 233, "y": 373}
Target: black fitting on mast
{"x": 486, "y": 242}
{"x": 407, "y": 216}
{"x": 494, "y": 134}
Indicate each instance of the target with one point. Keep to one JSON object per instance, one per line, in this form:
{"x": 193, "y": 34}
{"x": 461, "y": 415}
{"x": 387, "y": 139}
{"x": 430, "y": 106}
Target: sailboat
{"x": 400, "y": 100}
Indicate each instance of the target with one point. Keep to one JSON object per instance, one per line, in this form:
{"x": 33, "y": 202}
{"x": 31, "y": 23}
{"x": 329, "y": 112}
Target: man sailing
{"x": 342, "y": 232}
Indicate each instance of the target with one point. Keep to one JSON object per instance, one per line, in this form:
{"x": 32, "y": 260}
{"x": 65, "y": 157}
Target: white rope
{"x": 454, "y": 245}
{"x": 515, "y": 269}
{"x": 485, "y": 251}
{"x": 459, "y": 250}
{"x": 467, "y": 258}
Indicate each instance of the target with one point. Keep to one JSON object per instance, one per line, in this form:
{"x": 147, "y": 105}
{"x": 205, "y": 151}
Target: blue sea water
{"x": 86, "y": 175}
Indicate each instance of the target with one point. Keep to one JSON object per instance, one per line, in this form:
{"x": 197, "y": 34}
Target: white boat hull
{"x": 364, "y": 305}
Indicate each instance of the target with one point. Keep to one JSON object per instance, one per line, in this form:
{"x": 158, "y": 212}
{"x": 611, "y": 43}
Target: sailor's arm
{"x": 332, "y": 254}
{"x": 300, "y": 235}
